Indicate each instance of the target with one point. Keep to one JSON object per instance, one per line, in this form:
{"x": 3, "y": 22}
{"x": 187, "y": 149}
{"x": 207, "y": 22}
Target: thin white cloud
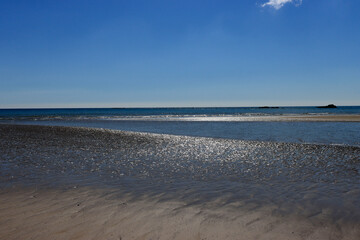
{"x": 277, "y": 4}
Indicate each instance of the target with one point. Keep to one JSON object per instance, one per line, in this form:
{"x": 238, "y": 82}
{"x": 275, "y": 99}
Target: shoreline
{"x": 278, "y": 118}
{"x": 214, "y": 118}
{"x": 287, "y": 129}
{"x": 326, "y": 118}
{"x": 84, "y": 183}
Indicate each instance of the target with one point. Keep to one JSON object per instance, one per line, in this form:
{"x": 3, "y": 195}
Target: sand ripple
{"x": 178, "y": 187}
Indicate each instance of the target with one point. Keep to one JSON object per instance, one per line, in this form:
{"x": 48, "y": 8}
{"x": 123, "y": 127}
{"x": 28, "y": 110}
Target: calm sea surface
{"x": 116, "y": 112}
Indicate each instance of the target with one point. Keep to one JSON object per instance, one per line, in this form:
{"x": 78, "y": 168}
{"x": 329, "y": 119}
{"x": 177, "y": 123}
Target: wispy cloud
{"x": 277, "y": 4}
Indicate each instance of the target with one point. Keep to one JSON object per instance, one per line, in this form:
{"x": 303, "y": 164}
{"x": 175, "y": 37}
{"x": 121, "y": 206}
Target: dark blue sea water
{"x": 246, "y": 123}
{"x": 121, "y": 112}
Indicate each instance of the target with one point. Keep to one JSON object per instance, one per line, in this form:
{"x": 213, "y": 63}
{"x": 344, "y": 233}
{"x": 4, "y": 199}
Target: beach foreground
{"x": 87, "y": 213}
{"x": 79, "y": 183}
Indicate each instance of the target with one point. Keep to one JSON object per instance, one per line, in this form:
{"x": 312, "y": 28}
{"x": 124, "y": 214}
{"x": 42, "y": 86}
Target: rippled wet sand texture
{"x": 78, "y": 183}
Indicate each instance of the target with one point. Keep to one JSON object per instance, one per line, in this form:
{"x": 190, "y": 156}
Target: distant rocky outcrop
{"x": 328, "y": 106}
{"x": 268, "y": 107}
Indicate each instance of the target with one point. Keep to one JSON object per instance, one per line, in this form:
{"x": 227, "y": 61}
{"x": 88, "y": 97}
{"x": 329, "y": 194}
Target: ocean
{"x": 167, "y": 112}
{"x": 245, "y": 123}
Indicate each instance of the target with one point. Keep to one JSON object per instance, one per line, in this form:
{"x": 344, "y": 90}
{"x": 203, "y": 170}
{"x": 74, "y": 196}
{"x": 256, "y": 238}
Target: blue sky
{"x": 179, "y": 53}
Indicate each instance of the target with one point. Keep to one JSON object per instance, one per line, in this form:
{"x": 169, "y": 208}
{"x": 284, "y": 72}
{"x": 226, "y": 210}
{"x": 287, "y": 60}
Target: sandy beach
{"x": 82, "y": 183}
{"x": 87, "y": 213}
{"x": 325, "y": 118}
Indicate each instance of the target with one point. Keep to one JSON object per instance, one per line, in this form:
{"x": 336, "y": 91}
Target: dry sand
{"x": 85, "y": 213}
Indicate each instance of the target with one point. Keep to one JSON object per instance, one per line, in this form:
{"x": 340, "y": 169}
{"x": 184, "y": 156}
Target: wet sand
{"x": 79, "y": 183}
{"x": 286, "y": 118}
{"x": 324, "y": 118}
{"x": 260, "y": 118}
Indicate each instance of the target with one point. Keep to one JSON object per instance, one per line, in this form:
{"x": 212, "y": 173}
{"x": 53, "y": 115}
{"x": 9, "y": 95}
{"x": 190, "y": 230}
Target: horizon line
{"x": 163, "y": 107}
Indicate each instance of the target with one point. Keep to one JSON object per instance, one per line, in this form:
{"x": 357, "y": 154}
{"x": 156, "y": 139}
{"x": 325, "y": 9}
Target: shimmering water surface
{"x": 260, "y": 124}
{"x": 306, "y": 179}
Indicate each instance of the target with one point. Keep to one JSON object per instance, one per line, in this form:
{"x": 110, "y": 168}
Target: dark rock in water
{"x": 268, "y": 107}
{"x": 328, "y": 106}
